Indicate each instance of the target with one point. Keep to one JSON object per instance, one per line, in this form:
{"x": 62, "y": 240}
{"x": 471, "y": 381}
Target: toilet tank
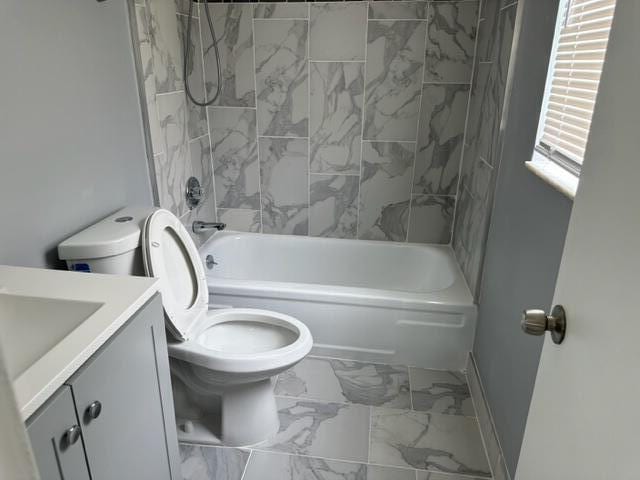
{"x": 110, "y": 246}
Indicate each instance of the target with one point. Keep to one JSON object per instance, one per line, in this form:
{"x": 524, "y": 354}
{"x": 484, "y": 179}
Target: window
{"x": 572, "y": 84}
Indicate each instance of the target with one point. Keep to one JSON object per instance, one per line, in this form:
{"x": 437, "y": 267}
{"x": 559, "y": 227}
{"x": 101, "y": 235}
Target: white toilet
{"x": 224, "y": 358}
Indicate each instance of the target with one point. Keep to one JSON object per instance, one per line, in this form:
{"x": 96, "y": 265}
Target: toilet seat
{"x": 235, "y": 360}
{"x": 170, "y": 255}
{"x": 241, "y": 340}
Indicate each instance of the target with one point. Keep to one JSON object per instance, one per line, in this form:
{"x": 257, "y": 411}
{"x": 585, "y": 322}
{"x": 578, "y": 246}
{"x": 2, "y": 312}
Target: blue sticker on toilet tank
{"x": 80, "y": 267}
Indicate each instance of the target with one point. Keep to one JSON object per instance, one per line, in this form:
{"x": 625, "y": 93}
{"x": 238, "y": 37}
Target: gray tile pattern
{"x": 409, "y": 10}
{"x": 281, "y": 10}
{"x": 440, "y": 137}
{"x": 166, "y": 46}
{"x": 395, "y": 57}
{"x": 427, "y": 441}
{"x": 235, "y": 154}
{"x": 240, "y": 220}
{"x": 146, "y": 66}
{"x": 197, "y": 116}
{"x": 172, "y": 167}
{"x": 482, "y": 150}
{"x": 346, "y": 78}
{"x": 336, "y": 116}
{"x": 451, "y": 41}
{"x": 347, "y": 381}
{"x": 431, "y": 219}
{"x": 333, "y": 206}
{"x": 337, "y": 30}
{"x": 233, "y": 24}
{"x": 282, "y": 77}
{"x": 330, "y": 430}
{"x": 487, "y": 38}
{"x": 284, "y": 177}
{"x": 206, "y": 463}
{"x": 385, "y": 190}
{"x": 272, "y": 466}
{"x": 440, "y": 392}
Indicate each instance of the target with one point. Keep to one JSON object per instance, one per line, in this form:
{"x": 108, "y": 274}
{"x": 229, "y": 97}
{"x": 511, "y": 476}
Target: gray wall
{"x": 71, "y": 139}
{"x": 525, "y": 242}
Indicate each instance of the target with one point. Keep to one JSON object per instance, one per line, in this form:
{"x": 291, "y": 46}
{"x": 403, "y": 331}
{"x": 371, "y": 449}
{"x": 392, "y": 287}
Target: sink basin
{"x": 31, "y": 326}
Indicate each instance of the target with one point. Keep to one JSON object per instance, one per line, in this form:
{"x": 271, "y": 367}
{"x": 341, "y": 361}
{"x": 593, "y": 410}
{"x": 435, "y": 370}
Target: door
{"x": 118, "y": 399}
{"x": 55, "y": 439}
{"x": 584, "y": 419}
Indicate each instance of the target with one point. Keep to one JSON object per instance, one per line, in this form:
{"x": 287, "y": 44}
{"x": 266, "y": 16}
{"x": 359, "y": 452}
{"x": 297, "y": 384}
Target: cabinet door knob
{"x": 71, "y": 435}
{"x": 94, "y": 410}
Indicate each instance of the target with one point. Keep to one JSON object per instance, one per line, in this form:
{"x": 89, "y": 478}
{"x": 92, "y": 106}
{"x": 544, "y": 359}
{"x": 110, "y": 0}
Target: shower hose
{"x": 187, "y": 49}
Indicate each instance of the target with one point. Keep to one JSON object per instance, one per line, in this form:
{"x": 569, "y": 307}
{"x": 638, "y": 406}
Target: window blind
{"x": 576, "y": 68}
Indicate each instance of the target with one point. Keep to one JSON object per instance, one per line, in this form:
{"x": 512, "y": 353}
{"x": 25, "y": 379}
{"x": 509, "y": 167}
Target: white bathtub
{"x": 362, "y": 300}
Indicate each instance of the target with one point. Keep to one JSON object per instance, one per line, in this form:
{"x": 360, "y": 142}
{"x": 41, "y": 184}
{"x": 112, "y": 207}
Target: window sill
{"x": 550, "y": 172}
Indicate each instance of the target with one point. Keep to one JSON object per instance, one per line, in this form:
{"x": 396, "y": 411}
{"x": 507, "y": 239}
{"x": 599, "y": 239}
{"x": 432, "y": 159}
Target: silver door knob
{"x": 536, "y": 322}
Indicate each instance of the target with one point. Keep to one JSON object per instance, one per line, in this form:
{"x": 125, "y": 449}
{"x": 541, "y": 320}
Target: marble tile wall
{"x": 179, "y": 132}
{"x": 339, "y": 119}
{"x": 482, "y": 147}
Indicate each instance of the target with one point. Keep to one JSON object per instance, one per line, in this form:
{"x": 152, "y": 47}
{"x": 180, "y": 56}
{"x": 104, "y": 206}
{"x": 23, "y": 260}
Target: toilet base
{"x": 239, "y": 415}
{"x": 249, "y": 413}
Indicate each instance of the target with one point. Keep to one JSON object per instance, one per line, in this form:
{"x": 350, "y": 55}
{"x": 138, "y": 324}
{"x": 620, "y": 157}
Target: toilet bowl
{"x": 230, "y": 353}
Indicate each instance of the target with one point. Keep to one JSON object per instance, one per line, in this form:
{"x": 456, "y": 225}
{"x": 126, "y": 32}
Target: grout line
{"x": 415, "y": 149}
{"x": 410, "y": 387}
{"x": 255, "y": 101}
{"x": 169, "y": 93}
{"x": 209, "y": 123}
{"x": 246, "y": 465}
{"x": 191, "y": 140}
{"x": 362, "y": 120}
{"x": 360, "y": 462}
{"x": 369, "y": 434}
{"x": 337, "y": 61}
{"x": 232, "y": 107}
{"x": 504, "y": 7}
{"x": 389, "y": 141}
{"x": 432, "y": 195}
{"x": 331, "y": 174}
{"x": 308, "y": 121}
{"x": 281, "y": 137}
{"x": 319, "y": 457}
{"x": 397, "y": 19}
{"x": 180, "y": 14}
{"x": 446, "y": 83}
{"x": 466, "y": 126}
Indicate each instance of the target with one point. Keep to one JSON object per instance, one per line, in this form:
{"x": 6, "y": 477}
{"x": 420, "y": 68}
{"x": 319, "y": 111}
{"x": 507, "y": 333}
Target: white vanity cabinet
{"x": 114, "y": 417}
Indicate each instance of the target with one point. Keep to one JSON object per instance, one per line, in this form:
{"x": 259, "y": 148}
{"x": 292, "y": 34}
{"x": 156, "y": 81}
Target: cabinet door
{"x": 126, "y": 438}
{"x": 57, "y": 447}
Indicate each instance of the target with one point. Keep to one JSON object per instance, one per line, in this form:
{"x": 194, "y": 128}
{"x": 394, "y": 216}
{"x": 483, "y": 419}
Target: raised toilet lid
{"x": 170, "y": 255}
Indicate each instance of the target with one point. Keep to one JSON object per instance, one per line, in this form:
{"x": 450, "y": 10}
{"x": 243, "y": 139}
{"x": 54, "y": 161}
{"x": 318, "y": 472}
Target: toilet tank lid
{"x": 116, "y": 234}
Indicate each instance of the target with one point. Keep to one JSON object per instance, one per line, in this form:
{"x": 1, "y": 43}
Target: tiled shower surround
{"x": 341, "y": 119}
{"x": 483, "y": 142}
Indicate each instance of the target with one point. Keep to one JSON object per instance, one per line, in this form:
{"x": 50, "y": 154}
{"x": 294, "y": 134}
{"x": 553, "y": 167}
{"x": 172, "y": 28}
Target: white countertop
{"x": 116, "y": 298}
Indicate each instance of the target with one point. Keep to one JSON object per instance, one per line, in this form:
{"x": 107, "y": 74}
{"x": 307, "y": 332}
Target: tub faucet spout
{"x": 200, "y": 226}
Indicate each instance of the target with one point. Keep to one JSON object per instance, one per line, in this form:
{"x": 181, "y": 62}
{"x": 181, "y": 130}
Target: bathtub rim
{"x": 451, "y": 298}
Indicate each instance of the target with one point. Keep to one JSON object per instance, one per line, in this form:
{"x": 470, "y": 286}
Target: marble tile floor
{"x": 347, "y": 420}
